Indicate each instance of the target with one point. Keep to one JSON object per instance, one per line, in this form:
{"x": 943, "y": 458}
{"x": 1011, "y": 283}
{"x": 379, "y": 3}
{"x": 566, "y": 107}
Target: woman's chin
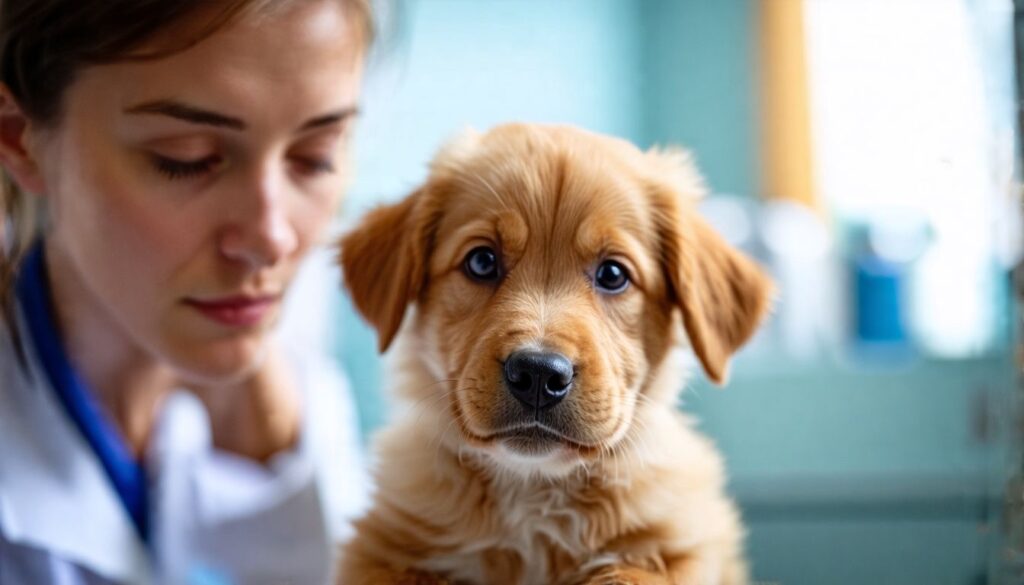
{"x": 222, "y": 363}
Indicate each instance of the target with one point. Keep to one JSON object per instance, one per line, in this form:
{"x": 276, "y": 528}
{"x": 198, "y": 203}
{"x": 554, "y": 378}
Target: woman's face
{"x": 183, "y": 192}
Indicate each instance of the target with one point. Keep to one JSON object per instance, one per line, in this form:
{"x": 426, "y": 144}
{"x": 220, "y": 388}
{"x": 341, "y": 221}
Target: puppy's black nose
{"x": 538, "y": 379}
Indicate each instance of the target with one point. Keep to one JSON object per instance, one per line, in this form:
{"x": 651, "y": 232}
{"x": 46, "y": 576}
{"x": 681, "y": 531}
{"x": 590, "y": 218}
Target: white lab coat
{"x": 216, "y": 518}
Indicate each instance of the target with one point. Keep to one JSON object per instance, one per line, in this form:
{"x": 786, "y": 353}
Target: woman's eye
{"x": 182, "y": 169}
{"x": 314, "y": 165}
{"x": 482, "y": 264}
{"x": 611, "y": 277}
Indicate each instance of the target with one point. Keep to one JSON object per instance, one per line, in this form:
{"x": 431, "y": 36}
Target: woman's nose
{"x": 264, "y": 234}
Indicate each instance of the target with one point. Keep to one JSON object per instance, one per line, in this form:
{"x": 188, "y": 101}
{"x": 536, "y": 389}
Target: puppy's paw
{"x": 624, "y": 576}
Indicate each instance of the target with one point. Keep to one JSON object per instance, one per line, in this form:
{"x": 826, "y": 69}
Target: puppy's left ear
{"x": 384, "y": 259}
{"x": 383, "y": 262}
{"x": 723, "y": 295}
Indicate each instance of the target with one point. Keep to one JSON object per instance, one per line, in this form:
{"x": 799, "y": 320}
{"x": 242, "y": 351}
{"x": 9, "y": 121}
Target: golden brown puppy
{"x": 546, "y": 276}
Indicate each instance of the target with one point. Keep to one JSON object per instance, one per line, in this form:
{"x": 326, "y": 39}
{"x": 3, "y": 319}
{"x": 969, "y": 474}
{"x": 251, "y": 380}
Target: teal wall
{"x": 458, "y": 63}
{"x": 700, "y": 88}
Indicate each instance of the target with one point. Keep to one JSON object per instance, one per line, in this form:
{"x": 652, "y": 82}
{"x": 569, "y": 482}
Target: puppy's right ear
{"x": 384, "y": 263}
{"x": 723, "y": 295}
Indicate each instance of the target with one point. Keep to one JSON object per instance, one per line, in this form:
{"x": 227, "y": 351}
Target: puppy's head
{"x": 548, "y": 268}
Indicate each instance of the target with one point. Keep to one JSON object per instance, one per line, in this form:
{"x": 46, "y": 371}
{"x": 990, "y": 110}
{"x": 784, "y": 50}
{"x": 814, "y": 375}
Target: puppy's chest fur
{"x": 538, "y": 532}
{"x": 452, "y": 514}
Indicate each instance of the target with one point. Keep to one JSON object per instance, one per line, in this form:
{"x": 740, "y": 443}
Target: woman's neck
{"x": 129, "y": 383}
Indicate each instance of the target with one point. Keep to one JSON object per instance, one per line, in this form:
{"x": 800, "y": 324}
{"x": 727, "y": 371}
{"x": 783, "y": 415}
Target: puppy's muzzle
{"x": 538, "y": 379}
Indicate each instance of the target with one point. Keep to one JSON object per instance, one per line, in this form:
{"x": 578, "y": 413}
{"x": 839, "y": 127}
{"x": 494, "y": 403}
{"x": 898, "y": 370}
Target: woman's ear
{"x": 16, "y": 153}
{"x": 723, "y": 295}
{"x": 383, "y": 263}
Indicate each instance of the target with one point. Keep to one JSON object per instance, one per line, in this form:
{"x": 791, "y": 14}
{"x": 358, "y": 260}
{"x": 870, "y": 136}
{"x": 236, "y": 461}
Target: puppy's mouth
{"x": 536, "y": 439}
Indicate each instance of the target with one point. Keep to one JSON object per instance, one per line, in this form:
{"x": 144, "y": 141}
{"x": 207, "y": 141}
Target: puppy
{"x": 550, "y": 280}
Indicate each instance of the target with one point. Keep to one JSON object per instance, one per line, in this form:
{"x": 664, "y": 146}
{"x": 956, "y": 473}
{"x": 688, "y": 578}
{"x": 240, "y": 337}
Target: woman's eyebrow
{"x": 183, "y": 111}
{"x": 196, "y": 115}
{"x": 330, "y": 118}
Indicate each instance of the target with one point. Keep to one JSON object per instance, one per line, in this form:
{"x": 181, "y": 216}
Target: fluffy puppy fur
{"x": 611, "y": 484}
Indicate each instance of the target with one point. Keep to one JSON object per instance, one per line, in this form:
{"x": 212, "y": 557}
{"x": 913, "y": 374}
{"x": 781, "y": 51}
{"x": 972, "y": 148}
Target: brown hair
{"x": 44, "y": 43}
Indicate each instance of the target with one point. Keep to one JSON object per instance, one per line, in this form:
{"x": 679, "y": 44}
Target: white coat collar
{"x": 54, "y": 494}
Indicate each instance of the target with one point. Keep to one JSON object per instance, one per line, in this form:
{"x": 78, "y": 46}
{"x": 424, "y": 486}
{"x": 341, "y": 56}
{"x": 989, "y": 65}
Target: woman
{"x": 186, "y": 155}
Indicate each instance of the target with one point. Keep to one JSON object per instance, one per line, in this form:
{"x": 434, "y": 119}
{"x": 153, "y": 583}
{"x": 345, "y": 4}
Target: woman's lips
{"x": 238, "y": 311}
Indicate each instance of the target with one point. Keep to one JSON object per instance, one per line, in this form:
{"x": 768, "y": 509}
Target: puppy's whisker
{"x": 643, "y": 448}
{"x": 636, "y": 450}
{"x": 439, "y": 445}
{"x": 433, "y": 398}
{"x": 638, "y": 426}
{"x": 425, "y": 405}
{"x": 455, "y": 421}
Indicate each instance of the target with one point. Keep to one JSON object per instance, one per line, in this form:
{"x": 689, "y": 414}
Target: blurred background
{"x": 866, "y": 151}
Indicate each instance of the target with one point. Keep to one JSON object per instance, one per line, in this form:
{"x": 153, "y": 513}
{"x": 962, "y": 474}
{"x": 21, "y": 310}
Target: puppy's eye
{"x": 611, "y": 277}
{"x": 482, "y": 264}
